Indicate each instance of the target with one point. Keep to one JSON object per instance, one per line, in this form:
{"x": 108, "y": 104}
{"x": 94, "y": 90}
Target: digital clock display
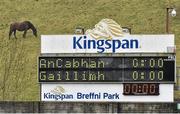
{"x": 107, "y": 69}
{"x": 140, "y": 89}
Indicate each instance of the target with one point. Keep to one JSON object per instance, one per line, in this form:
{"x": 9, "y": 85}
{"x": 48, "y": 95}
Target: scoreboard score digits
{"x": 107, "y": 69}
{"x": 141, "y": 89}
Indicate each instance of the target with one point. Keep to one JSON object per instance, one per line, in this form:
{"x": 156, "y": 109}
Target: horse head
{"x": 35, "y": 32}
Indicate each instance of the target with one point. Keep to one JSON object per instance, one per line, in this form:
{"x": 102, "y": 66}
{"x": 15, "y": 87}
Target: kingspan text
{"x": 58, "y": 96}
{"x": 83, "y": 42}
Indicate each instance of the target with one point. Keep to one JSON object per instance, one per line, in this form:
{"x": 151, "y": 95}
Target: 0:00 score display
{"x": 141, "y": 89}
{"x": 151, "y": 63}
{"x": 151, "y": 75}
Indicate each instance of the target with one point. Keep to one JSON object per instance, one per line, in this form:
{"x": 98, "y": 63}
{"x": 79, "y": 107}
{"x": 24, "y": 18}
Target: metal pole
{"x": 167, "y": 20}
{"x": 83, "y": 31}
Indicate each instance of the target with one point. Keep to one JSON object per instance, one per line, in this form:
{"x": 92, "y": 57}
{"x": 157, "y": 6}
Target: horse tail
{"x": 32, "y": 27}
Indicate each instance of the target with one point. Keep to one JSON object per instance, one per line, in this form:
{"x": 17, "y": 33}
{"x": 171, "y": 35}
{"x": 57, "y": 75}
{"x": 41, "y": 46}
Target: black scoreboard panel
{"x": 140, "y": 89}
{"x": 107, "y": 69}
{"x": 104, "y": 62}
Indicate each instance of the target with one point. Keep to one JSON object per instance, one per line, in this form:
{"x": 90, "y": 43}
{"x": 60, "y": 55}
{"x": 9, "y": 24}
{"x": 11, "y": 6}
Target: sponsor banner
{"x": 125, "y": 44}
{"x": 100, "y": 93}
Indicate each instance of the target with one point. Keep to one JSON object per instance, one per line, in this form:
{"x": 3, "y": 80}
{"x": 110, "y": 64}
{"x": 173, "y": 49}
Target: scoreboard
{"x": 71, "y": 68}
{"x": 159, "y": 69}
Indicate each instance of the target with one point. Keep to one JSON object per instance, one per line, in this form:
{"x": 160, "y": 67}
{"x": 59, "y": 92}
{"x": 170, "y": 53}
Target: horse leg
{"x": 24, "y": 35}
{"x": 10, "y": 33}
{"x": 15, "y": 34}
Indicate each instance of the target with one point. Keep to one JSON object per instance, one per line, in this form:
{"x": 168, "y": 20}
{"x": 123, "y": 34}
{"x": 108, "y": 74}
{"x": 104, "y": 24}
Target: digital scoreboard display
{"x": 140, "y": 89}
{"x": 107, "y": 69}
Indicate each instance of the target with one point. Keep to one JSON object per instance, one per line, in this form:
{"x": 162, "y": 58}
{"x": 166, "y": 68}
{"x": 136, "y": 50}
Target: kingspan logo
{"x": 58, "y": 93}
{"x": 101, "y": 45}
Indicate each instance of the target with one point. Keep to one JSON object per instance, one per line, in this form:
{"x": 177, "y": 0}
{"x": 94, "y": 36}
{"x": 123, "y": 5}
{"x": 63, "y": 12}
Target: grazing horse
{"x": 23, "y": 26}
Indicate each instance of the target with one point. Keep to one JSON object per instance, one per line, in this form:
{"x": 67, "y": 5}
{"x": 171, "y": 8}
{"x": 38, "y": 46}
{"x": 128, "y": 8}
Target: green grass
{"x": 177, "y": 94}
{"x": 18, "y": 60}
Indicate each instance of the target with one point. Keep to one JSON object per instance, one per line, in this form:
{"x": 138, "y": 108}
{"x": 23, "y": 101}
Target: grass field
{"x": 18, "y": 60}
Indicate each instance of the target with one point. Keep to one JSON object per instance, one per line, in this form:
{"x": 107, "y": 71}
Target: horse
{"x": 23, "y": 26}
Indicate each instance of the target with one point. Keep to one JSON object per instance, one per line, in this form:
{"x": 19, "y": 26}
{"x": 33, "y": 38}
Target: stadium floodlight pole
{"x": 169, "y": 11}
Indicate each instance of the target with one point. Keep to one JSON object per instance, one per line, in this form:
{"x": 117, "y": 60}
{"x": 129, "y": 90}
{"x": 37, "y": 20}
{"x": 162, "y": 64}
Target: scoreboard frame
{"x": 149, "y": 45}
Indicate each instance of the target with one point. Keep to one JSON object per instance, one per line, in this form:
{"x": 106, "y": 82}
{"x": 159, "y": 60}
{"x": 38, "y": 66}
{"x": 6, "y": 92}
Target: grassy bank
{"x": 18, "y": 60}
